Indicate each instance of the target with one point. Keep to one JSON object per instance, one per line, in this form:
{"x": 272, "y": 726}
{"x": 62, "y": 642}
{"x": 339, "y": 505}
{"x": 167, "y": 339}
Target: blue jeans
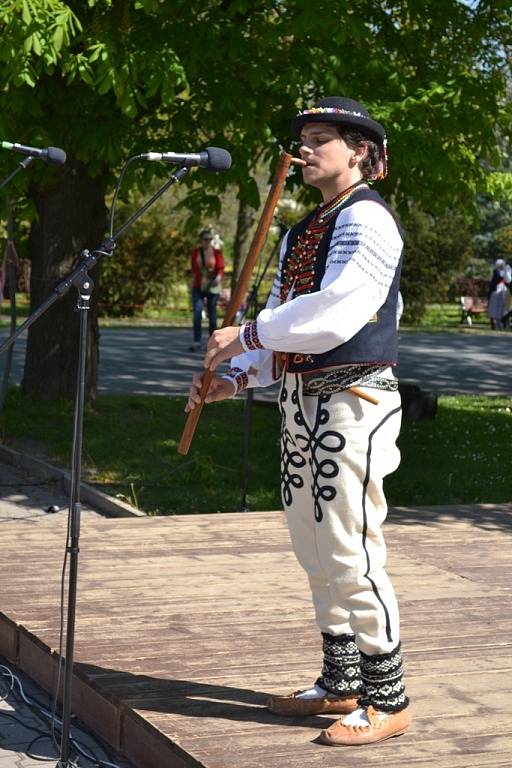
{"x": 198, "y": 298}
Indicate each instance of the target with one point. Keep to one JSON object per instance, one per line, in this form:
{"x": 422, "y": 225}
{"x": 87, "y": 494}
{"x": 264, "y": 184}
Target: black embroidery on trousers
{"x": 311, "y": 443}
{"x": 290, "y": 459}
{"x": 365, "y": 519}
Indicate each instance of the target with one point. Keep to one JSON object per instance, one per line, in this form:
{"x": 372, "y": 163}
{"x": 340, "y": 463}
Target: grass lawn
{"x": 462, "y": 456}
{"x": 437, "y": 317}
{"x": 447, "y": 317}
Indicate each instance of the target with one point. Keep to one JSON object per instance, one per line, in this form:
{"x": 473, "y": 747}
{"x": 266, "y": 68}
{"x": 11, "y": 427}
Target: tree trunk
{"x": 71, "y": 217}
{"x": 244, "y": 222}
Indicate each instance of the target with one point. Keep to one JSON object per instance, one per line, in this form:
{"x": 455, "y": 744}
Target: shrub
{"x": 436, "y": 250}
{"x": 150, "y": 263}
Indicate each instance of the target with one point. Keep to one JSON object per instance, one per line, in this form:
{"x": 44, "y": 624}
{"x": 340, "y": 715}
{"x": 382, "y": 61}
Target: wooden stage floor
{"x": 184, "y": 624}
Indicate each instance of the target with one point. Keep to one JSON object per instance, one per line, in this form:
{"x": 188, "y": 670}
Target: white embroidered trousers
{"x": 335, "y": 452}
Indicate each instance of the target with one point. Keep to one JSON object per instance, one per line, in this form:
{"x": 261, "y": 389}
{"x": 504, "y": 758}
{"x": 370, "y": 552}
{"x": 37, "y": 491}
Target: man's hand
{"x": 222, "y": 345}
{"x": 220, "y": 389}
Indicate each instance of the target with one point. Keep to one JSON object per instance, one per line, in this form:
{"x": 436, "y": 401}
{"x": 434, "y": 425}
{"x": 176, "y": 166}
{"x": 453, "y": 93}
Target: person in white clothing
{"x": 329, "y": 328}
{"x": 498, "y": 295}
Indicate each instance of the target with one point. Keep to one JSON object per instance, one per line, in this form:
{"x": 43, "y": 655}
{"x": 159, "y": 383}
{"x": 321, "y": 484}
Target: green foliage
{"x": 495, "y": 218}
{"x": 427, "y": 70}
{"x": 436, "y": 249}
{"x": 500, "y": 186}
{"x": 108, "y": 78}
{"x": 503, "y": 239}
{"x": 150, "y": 263}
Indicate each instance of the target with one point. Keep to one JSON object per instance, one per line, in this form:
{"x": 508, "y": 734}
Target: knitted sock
{"x": 382, "y": 676}
{"x": 341, "y": 672}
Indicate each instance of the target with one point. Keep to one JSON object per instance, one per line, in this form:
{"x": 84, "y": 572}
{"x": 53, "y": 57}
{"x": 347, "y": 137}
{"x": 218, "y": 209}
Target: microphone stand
{"x": 80, "y": 279}
{"x": 21, "y": 166}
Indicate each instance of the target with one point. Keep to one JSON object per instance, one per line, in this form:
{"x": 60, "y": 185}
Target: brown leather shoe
{"x": 339, "y": 735}
{"x": 291, "y": 706}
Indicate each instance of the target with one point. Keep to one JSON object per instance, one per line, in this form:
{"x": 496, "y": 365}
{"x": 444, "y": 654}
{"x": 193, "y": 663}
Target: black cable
{"x": 41, "y": 734}
{"x": 53, "y": 716}
{"x": 252, "y": 309}
{"x": 61, "y": 634}
{"x": 117, "y": 190}
{"x": 37, "y": 708}
{"x": 28, "y": 750}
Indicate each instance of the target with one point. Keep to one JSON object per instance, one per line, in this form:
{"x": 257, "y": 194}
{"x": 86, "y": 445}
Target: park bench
{"x": 472, "y": 305}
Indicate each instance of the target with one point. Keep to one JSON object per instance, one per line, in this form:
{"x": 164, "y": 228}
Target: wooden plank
{"x": 179, "y": 641}
{"x": 9, "y": 639}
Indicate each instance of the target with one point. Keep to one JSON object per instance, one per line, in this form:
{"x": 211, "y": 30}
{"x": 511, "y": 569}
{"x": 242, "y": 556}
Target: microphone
{"x": 52, "y": 155}
{"x": 212, "y": 158}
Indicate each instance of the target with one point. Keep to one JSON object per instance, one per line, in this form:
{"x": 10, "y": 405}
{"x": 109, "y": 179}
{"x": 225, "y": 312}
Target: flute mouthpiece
{"x": 297, "y": 161}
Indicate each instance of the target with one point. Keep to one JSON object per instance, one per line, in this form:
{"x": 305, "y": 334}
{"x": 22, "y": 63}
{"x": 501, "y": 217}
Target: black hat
{"x": 352, "y": 114}
{"x": 342, "y": 111}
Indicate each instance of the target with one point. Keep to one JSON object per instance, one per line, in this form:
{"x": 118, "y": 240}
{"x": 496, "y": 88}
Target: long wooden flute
{"x": 242, "y": 285}
{"x": 241, "y": 288}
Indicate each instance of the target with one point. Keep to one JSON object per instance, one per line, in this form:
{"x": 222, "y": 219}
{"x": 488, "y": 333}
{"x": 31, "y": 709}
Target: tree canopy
{"x": 108, "y": 78}
{"x": 105, "y": 79}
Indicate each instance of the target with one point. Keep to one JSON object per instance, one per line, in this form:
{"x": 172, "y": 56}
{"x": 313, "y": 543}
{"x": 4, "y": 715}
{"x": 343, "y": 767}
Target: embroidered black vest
{"x": 377, "y": 342}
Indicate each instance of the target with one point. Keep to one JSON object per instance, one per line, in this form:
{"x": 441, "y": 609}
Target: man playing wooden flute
{"x": 331, "y": 315}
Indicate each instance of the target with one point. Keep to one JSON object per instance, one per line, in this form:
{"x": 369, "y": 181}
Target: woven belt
{"x": 330, "y": 383}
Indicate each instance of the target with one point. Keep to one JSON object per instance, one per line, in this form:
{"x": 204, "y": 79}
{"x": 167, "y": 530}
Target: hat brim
{"x": 366, "y": 125}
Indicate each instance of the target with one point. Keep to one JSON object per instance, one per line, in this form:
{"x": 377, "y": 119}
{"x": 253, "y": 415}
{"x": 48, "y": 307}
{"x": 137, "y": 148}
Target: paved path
{"x": 157, "y": 361}
{"x": 454, "y": 363}
{"x": 30, "y": 498}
